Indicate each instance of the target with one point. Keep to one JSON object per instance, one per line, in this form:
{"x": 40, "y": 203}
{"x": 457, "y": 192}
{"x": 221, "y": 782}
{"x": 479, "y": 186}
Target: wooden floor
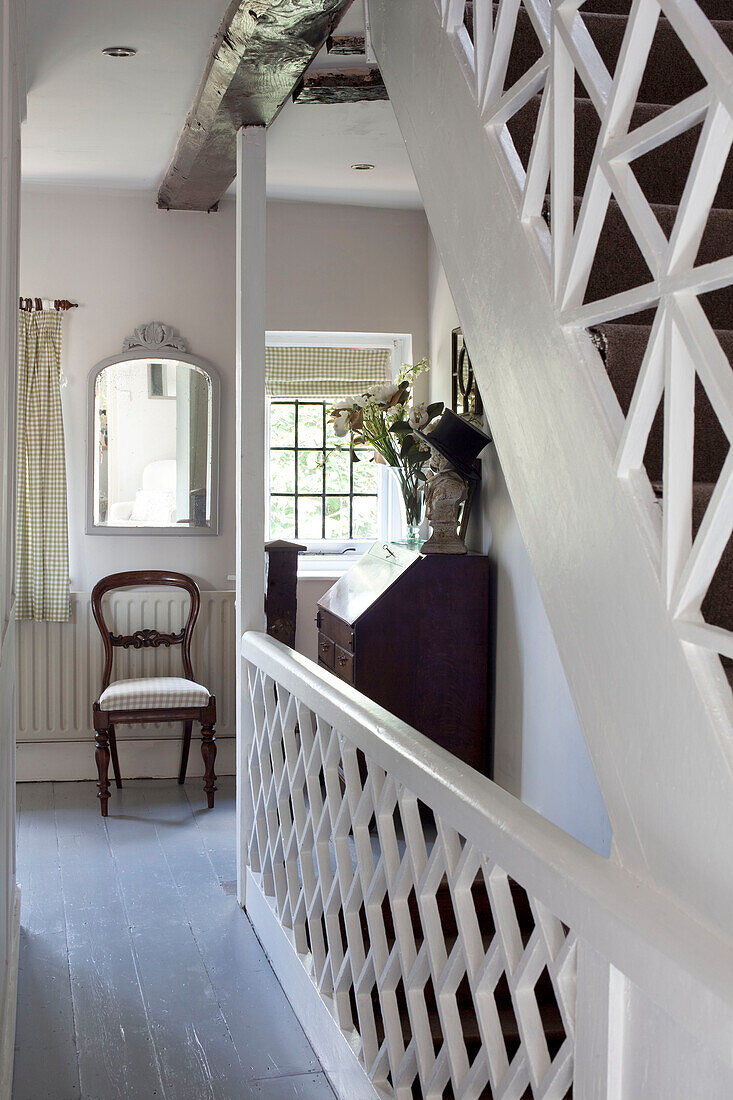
{"x": 140, "y": 977}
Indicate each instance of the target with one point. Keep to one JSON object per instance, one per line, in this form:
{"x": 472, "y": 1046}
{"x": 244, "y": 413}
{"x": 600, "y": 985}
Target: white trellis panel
{"x": 425, "y": 904}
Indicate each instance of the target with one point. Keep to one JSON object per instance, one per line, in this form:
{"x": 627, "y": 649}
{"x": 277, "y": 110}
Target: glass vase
{"x": 412, "y": 507}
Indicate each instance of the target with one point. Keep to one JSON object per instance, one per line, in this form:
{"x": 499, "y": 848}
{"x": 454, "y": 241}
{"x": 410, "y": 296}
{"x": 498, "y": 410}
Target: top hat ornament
{"x": 458, "y": 441}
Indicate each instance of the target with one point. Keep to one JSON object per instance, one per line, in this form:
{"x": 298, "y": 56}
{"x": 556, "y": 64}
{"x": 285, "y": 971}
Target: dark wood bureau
{"x": 411, "y": 632}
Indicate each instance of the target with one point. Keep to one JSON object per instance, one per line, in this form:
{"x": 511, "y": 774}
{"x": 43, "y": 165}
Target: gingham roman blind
{"x": 324, "y": 372}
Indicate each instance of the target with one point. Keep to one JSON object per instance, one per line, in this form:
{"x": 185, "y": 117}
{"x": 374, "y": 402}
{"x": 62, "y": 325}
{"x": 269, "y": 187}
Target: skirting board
{"x": 9, "y": 1006}
{"x": 339, "y": 1062}
{"x": 66, "y": 761}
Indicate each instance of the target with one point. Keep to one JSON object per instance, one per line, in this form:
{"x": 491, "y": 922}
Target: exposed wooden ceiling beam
{"x": 346, "y": 44}
{"x": 356, "y": 86}
{"x": 260, "y": 52}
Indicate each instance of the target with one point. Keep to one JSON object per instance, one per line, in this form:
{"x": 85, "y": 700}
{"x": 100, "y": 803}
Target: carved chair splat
{"x": 157, "y": 699}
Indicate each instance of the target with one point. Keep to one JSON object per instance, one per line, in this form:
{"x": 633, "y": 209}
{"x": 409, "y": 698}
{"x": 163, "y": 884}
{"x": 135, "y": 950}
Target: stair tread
{"x": 550, "y": 1016}
{"x": 661, "y": 174}
{"x": 714, "y": 9}
{"x": 619, "y": 265}
{"x": 670, "y": 74}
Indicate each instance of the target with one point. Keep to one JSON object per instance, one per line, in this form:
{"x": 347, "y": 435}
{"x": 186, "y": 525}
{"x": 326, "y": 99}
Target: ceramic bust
{"x": 444, "y": 493}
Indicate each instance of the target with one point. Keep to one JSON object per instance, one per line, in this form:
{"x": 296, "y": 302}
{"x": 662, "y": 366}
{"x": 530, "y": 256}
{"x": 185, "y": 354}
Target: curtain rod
{"x": 30, "y": 304}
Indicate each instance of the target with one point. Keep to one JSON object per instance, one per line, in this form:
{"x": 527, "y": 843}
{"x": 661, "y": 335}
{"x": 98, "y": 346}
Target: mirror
{"x": 154, "y": 445}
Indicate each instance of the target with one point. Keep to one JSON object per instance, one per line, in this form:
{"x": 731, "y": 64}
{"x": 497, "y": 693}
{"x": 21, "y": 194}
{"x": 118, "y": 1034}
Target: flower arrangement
{"x": 384, "y": 418}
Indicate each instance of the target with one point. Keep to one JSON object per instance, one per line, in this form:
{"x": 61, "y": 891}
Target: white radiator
{"x": 59, "y": 675}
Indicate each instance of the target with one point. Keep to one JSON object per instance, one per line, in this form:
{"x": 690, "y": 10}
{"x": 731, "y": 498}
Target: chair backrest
{"x": 145, "y": 639}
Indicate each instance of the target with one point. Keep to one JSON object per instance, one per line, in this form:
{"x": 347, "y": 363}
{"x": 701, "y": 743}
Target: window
{"x": 318, "y": 493}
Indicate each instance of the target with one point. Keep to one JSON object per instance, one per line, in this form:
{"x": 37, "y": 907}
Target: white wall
{"x": 125, "y": 262}
{"x": 539, "y": 750}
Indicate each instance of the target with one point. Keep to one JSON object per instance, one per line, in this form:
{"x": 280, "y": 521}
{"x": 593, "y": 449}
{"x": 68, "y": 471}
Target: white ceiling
{"x": 100, "y": 122}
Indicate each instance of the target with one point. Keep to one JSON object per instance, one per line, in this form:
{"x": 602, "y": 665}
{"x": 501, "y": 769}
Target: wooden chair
{"x": 157, "y": 699}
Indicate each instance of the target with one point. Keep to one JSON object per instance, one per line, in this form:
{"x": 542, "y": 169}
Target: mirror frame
{"x": 145, "y": 346}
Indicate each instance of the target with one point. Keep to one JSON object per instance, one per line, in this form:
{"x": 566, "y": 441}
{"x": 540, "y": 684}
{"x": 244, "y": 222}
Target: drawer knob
{"x": 341, "y": 659}
{"x": 325, "y": 646}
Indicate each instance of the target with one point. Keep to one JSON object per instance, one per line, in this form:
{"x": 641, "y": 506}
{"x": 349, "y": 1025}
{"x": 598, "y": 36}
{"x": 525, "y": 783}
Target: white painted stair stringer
{"x": 661, "y": 751}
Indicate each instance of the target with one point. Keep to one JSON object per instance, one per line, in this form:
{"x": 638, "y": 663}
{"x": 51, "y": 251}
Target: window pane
{"x": 282, "y": 471}
{"x": 310, "y": 518}
{"x": 365, "y": 517}
{"x": 337, "y": 472}
{"x": 337, "y": 517}
{"x": 310, "y": 425}
{"x": 282, "y": 425}
{"x": 282, "y": 517}
{"x": 365, "y": 474}
{"x": 310, "y": 471}
{"x": 333, "y": 440}
{"x": 320, "y": 467}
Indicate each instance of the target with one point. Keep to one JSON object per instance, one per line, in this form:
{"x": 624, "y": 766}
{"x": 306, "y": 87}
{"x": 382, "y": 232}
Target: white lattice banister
{"x": 681, "y": 965}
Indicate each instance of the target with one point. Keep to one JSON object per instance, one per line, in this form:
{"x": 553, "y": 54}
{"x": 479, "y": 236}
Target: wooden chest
{"x": 411, "y": 632}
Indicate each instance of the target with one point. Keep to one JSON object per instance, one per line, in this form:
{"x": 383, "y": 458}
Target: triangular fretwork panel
{"x": 614, "y": 126}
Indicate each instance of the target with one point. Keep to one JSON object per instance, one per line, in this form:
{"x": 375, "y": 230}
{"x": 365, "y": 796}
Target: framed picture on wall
{"x": 465, "y": 401}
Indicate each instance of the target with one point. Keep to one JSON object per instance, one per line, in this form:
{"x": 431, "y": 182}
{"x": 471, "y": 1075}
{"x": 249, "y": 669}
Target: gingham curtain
{"x": 42, "y": 551}
{"x": 324, "y": 372}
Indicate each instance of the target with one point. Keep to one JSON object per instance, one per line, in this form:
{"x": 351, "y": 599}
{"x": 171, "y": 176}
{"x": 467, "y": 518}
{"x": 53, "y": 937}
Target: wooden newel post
{"x": 281, "y": 589}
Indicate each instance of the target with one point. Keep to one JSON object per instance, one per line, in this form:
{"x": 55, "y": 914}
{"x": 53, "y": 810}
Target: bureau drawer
{"x": 344, "y": 665}
{"x": 325, "y": 650}
{"x": 337, "y": 629}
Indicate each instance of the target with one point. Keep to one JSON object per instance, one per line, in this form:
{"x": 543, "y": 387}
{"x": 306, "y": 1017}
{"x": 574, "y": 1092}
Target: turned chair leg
{"x": 115, "y": 758}
{"x": 101, "y": 755}
{"x": 186, "y": 745}
{"x": 208, "y": 751}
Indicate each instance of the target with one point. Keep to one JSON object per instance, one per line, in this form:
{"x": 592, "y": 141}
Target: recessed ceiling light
{"x": 362, "y": 167}
{"x": 119, "y": 51}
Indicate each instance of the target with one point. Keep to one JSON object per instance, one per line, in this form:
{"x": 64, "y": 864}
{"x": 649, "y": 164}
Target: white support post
{"x": 250, "y": 416}
{"x": 600, "y": 1018}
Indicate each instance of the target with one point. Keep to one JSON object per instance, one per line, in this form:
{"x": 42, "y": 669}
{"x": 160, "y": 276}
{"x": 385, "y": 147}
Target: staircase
{"x": 574, "y": 169}
{"x": 670, "y": 77}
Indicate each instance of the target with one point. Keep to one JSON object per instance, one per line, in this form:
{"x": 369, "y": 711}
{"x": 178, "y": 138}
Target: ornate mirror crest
{"x": 155, "y": 336}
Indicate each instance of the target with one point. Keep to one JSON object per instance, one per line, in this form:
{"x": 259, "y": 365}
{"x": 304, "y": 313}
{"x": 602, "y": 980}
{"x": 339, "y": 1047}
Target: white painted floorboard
{"x": 140, "y": 977}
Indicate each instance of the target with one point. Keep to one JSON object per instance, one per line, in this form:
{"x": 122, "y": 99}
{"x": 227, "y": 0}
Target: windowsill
{"x": 323, "y": 566}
